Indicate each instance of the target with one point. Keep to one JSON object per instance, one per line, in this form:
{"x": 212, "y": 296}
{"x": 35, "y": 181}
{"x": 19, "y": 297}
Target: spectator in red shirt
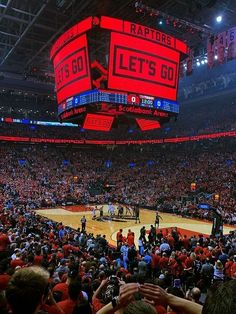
{"x": 198, "y": 249}
{"x": 18, "y": 261}
{"x": 38, "y": 258}
{"x": 178, "y": 268}
{"x": 186, "y": 243}
{"x": 4, "y": 242}
{"x": 233, "y": 268}
{"x": 156, "y": 261}
{"x": 119, "y": 237}
{"x": 164, "y": 261}
{"x": 4, "y": 277}
{"x": 228, "y": 266}
{"x": 75, "y": 296}
{"x": 130, "y": 239}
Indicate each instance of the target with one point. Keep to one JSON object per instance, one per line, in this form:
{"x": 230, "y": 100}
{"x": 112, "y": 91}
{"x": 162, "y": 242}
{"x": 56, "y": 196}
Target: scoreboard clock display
{"x": 133, "y": 99}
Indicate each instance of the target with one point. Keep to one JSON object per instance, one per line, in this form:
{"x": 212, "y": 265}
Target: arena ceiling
{"x": 28, "y": 28}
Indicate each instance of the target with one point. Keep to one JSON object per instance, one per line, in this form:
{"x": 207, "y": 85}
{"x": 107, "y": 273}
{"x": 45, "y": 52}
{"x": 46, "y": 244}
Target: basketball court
{"x": 71, "y": 215}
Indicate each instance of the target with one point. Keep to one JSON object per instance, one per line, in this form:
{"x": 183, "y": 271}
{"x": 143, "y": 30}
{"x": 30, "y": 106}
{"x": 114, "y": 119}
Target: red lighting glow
{"x": 139, "y": 67}
{"x": 111, "y": 23}
{"x": 98, "y": 122}
{"x": 9, "y": 120}
{"x": 71, "y": 34}
{"x": 142, "y": 31}
{"x": 118, "y": 142}
{"x": 72, "y": 71}
{"x": 146, "y": 125}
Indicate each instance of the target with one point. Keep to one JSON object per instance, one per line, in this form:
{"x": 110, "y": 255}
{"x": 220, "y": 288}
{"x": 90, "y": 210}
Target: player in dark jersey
{"x": 137, "y": 211}
{"x": 157, "y": 220}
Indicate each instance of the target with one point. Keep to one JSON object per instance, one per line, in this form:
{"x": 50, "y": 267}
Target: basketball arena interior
{"x": 117, "y": 156}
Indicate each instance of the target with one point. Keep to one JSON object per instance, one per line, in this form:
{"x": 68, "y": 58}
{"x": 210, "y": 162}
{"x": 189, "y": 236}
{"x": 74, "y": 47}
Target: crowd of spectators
{"x": 46, "y": 267}
{"x": 39, "y": 176}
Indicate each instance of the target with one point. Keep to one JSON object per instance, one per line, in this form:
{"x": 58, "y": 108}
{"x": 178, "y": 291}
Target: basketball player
{"x": 83, "y": 223}
{"x": 120, "y": 211}
{"x": 101, "y": 211}
{"x": 137, "y": 210}
{"x": 94, "y": 212}
{"x": 111, "y": 209}
{"x": 157, "y": 220}
{"x": 128, "y": 210}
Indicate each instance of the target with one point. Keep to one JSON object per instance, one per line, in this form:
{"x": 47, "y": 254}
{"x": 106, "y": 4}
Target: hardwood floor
{"x": 70, "y": 217}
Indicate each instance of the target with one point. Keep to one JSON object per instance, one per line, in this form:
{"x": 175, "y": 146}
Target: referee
{"x": 83, "y": 223}
{"x": 136, "y": 210}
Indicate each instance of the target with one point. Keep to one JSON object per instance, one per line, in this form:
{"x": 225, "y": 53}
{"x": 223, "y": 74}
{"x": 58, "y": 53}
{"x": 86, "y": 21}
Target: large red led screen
{"x": 72, "y": 71}
{"x": 98, "y": 122}
{"x": 140, "y": 66}
{"x": 146, "y": 125}
{"x": 71, "y": 34}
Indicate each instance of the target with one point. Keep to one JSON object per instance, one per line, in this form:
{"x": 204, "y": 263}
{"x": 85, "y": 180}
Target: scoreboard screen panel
{"x": 140, "y": 66}
{"x": 146, "y": 125}
{"x": 72, "y": 69}
{"x": 98, "y": 122}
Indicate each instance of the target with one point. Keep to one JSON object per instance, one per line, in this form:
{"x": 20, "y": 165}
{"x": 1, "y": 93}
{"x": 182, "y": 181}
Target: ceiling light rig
{"x": 176, "y": 22}
{"x": 219, "y": 19}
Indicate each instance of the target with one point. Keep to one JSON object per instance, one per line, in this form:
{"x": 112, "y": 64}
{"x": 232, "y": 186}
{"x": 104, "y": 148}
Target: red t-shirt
{"x": 183, "y": 257}
{"x": 66, "y": 249}
{"x": 97, "y": 304}
{"x": 189, "y": 262}
{"x": 198, "y": 250}
{"x": 171, "y": 241}
{"x": 4, "y": 241}
{"x": 185, "y": 243}
{"x": 17, "y": 262}
{"x": 155, "y": 260}
{"x": 38, "y": 259}
{"x": 119, "y": 236}
{"x": 163, "y": 262}
{"x": 67, "y": 306}
{"x": 178, "y": 269}
{"x": 160, "y": 309}
{"x": 130, "y": 240}
{"x": 4, "y": 279}
{"x": 233, "y": 270}
{"x": 228, "y": 266}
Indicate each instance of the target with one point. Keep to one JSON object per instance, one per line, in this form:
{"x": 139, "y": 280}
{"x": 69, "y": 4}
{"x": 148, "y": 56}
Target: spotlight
{"x": 206, "y": 61}
{"x": 198, "y": 63}
{"x": 160, "y": 22}
{"x": 216, "y": 57}
{"x": 219, "y": 19}
{"x": 202, "y": 62}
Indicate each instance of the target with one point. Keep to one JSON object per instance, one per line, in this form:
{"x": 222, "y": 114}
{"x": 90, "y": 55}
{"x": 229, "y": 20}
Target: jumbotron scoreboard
{"x": 137, "y": 78}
